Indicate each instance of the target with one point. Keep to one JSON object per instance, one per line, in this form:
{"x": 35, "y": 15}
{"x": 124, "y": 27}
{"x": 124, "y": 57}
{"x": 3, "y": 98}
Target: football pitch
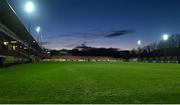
{"x": 90, "y": 82}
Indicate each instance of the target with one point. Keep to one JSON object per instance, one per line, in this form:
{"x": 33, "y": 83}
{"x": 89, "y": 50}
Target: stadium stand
{"x": 16, "y": 44}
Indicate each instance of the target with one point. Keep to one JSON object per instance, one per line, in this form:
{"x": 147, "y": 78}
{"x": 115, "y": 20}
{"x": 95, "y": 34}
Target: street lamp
{"x": 165, "y": 37}
{"x": 29, "y": 7}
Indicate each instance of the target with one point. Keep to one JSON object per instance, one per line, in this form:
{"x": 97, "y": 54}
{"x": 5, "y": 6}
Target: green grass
{"x": 88, "y": 82}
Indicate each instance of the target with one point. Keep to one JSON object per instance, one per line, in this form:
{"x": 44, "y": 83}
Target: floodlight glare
{"x": 139, "y": 42}
{"x": 165, "y": 37}
{"x": 38, "y": 29}
{"x": 29, "y": 7}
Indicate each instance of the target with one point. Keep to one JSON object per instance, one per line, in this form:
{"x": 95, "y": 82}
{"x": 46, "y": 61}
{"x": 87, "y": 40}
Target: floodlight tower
{"x": 38, "y": 30}
{"x": 165, "y": 37}
{"x": 139, "y": 45}
{"x": 29, "y": 8}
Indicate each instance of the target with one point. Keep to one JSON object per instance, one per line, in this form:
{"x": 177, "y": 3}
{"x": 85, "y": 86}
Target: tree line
{"x": 163, "y": 51}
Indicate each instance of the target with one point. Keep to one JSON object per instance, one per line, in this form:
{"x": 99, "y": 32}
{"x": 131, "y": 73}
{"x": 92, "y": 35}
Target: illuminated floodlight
{"x": 165, "y": 37}
{"x": 139, "y": 42}
{"x": 38, "y": 29}
{"x": 29, "y": 7}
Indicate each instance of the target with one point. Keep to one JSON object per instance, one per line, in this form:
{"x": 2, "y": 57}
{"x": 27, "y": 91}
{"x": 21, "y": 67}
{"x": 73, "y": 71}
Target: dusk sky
{"x": 68, "y": 23}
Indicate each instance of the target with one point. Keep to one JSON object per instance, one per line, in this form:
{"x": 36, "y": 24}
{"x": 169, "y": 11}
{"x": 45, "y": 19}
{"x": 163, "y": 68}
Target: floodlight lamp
{"x": 139, "y": 42}
{"x": 29, "y": 7}
{"x": 165, "y": 37}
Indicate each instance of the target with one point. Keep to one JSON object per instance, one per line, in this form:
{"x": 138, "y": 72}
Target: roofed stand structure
{"x": 16, "y": 44}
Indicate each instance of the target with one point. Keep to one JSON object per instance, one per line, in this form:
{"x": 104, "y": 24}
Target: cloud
{"x": 119, "y": 33}
{"x": 93, "y": 34}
